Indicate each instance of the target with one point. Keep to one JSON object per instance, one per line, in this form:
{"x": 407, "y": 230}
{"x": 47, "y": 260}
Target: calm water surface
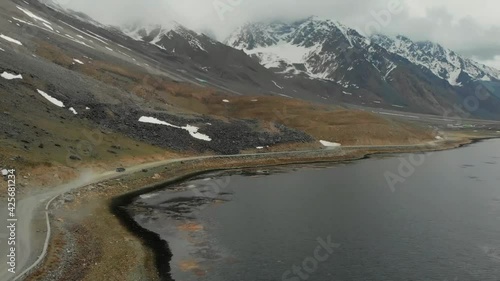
{"x": 442, "y": 223}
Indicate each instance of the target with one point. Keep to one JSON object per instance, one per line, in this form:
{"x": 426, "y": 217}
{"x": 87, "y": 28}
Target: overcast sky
{"x": 471, "y": 28}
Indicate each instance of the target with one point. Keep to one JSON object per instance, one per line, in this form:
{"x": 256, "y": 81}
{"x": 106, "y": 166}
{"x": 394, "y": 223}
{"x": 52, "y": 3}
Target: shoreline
{"x": 160, "y": 248}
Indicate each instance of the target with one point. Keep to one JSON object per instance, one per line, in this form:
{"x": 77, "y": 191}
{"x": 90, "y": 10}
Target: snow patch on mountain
{"x": 10, "y": 39}
{"x": 51, "y": 99}
{"x": 277, "y": 85}
{"x": 391, "y": 69}
{"x": 272, "y": 56}
{"x": 10, "y": 76}
{"x": 453, "y": 77}
{"x": 330, "y": 144}
{"x": 192, "y": 130}
{"x": 32, "y": 15}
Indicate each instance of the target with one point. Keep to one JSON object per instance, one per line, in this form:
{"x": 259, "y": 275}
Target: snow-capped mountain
{"x": 397, "y": 72}
{"x": 444, "y": 63}
{"x": 160, "y": 35}
{"x": 315, "y": 59}
{"x": 318, "y": 48}
{"x": 209, "y": 56}
{"x": 326, "y": 49}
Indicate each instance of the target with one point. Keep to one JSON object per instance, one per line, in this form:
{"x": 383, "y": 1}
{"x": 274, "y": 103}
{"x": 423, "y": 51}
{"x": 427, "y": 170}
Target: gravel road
{"x": 31, "y": 208}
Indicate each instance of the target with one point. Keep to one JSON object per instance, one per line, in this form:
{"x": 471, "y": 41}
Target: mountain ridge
{"x": 254, "y": 37}
{"x": 315, "y": 59}
{"x": 422, "y": 75}
{"x": 436, "y": 58}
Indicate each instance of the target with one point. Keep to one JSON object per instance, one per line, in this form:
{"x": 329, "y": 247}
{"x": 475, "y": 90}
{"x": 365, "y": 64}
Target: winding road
{"x": 34, "y": 206}
{"x": 30, "y": 251}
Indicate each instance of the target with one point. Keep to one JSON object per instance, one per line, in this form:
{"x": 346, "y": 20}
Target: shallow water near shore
{"x": 433, "y": 216}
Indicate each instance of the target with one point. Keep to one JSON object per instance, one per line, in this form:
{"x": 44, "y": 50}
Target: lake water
{"x": 436, "y": 219}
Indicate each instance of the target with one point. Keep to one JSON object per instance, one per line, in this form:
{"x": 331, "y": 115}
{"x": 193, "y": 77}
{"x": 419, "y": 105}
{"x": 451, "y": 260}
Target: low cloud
{"x": 468, "y": 28}
{"x": 464, "y": 35}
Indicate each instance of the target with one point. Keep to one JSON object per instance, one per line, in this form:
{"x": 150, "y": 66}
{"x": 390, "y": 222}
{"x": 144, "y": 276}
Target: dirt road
{"x": 31, "y": 244}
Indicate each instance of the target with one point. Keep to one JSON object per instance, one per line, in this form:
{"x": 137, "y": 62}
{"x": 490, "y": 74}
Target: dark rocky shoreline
{"x": 152, "y": 240}
{"x": 160, "y": 247}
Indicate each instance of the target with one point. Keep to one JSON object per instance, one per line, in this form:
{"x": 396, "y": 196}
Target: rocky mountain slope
{"x": 62, "y": 73}
{"x": 420, "y": 76}
{"x": 208, "y": 56}
{"x": 313, "y": 59}
{"x": 443, "y": 62}
{"x": 320, "y": 59}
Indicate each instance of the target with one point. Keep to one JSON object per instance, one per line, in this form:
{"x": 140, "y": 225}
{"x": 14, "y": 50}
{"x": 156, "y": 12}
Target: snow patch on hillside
{"x": 33, "y": 16}
{"x": 10, "y": 76}
{"x": 10, "y": 39}
{"x": 330, "y": 144}
{"x": 51, "y": 99}
{"x": 48, "y": 26}
{"x": 193, "y": 131}
{"x": 276, "y": 84}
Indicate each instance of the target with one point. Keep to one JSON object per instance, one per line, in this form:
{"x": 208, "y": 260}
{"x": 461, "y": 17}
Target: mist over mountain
{"x": 378, "y": 69}
{"x": 471, "y": 28}
{"x": 322, "y": 58}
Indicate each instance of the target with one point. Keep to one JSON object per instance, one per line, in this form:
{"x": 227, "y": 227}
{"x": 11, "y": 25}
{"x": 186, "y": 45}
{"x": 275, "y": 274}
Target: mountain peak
{"x": 142, "y": 31}
{"x": 315, "y": 46}
{"x": 318, "y": 19}
{"x": 325, "y": 49}
{"x": 444, "y": 63}
{"x": 403, "y": 38}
